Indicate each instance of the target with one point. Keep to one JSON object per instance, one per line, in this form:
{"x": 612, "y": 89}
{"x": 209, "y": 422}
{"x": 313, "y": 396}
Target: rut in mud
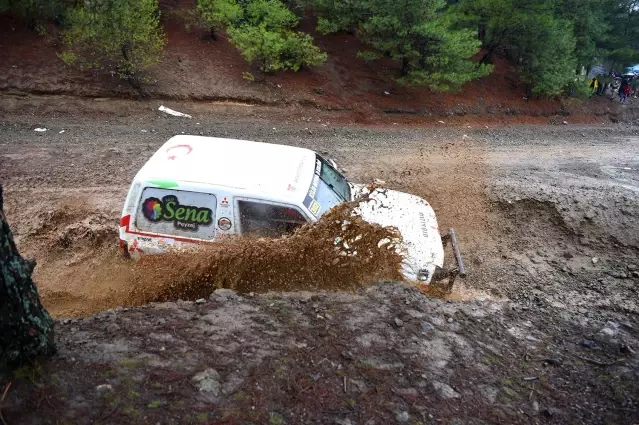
{"x": 340, "y": 252}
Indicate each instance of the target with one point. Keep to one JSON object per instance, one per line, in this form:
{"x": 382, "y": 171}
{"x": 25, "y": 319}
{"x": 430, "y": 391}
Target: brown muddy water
{"x": 307, "y": 260}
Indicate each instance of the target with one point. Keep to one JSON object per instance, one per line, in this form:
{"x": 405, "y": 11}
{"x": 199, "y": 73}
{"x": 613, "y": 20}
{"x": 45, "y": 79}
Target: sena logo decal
{"x": 185, "y": 217}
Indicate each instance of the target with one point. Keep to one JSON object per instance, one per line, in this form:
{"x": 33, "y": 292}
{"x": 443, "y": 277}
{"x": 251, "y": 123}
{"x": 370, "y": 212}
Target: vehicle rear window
{"x": 269, "y": 220}
{"x": 177, "y": 213}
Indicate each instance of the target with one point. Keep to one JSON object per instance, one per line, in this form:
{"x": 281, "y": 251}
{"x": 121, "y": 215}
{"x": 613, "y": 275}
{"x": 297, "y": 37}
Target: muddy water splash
{"x": 310, "y": 259}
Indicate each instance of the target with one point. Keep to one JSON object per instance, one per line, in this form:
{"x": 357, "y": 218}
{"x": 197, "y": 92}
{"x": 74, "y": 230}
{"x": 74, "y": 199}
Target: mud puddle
{"x": 84, "y": 274}
{"x": 79, "y": 271}
{"x": 310, "y": 259}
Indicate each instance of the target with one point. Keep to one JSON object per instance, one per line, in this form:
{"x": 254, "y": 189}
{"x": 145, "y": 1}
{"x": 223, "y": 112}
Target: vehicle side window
{"x": 268, "y": 220}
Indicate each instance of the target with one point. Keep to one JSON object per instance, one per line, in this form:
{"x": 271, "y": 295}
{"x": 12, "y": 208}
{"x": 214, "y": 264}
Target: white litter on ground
{"x": 172, "y": 112}
{"x": 40, "y": 130}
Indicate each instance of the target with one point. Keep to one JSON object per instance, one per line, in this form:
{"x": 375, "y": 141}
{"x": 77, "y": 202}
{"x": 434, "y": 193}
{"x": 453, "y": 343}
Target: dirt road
{"x": 548, "y": 219}
{"x": 534, "y": 195}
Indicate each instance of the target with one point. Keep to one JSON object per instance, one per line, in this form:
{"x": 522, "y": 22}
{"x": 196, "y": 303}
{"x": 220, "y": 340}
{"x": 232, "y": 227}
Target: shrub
{"x": 264, "y": 32}
{"x": 118, "y": 36}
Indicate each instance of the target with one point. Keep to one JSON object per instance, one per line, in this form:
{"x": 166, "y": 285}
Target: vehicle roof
{"x": 282, "y": 172}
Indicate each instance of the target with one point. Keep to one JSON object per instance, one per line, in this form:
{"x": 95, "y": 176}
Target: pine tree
{"x": 120, "y": 36}
{"x": 589, "y": 26}
{"x": 32, "y": 10}
{"x": 219, "y": 14}
{"x": 546, "y": 54}
{"x": 421, "y": 35}
{"x": 541, "y": 45}
{"x": 622, "y": 43}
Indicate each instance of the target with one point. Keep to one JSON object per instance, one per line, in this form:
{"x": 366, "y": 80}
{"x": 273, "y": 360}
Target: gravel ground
{"x": 544, "y": 329}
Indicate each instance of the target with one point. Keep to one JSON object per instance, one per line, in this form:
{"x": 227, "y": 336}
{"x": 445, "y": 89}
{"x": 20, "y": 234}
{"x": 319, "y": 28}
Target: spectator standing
{"x": 594, "y": 85}
{"x": 622, "y": 91}
{"x": 626, "y": 92}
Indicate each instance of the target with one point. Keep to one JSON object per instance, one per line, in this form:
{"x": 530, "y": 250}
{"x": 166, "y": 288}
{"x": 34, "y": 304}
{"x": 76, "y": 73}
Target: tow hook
{"x": 450, "y": 273}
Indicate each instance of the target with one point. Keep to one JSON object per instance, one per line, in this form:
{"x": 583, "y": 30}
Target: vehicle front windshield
{"x": 334, "y": 180}
{"x": 328, "y": 188}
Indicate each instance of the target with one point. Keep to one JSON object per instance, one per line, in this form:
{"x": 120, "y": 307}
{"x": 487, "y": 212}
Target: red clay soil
{"x": 196, "y": 67}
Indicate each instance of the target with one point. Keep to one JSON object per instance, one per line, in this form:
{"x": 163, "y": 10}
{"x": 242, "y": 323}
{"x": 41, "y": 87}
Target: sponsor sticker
{"x": 135, "y": 247}
{"x": 314, "y": 184}
{"x": 315, "y": 207}
{"x": 224, "y": 224}
{"x": 310, "y": 201}
{"x": 184, "y": 217}
{"x": 299, "y": 170}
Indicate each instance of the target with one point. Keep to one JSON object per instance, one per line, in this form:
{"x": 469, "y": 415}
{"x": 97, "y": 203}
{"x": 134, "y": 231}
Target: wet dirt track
{"x": 548, "y": 221}
{"x": 65, "y": 186}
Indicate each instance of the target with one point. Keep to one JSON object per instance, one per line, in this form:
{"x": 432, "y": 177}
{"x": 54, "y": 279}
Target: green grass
{"x": 154, "y": 404}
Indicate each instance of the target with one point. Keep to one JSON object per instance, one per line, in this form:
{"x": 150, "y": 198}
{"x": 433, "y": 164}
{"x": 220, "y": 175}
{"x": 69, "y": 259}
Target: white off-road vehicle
{"x": 197, "y": 190}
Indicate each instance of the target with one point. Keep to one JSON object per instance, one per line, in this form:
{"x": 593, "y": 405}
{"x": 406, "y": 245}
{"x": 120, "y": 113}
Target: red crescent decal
{"x": 179, "y": 152}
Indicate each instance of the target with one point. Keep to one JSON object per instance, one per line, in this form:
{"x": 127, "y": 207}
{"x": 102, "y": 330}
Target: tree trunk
{"x": 26, "y": 329}
{"x": 481, "y": 32}
{"x": 213, "y": 35}
{"x": 529, "y": 92}
{"x": 488, "y": 56}
{"x": 405, "y": 65}
{"x": 125, "y": 51}
{"x": 135, "y": 81}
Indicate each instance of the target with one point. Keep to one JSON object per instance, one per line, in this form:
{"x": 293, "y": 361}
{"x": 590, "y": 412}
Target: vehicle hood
{"x": 421, "y": 248}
